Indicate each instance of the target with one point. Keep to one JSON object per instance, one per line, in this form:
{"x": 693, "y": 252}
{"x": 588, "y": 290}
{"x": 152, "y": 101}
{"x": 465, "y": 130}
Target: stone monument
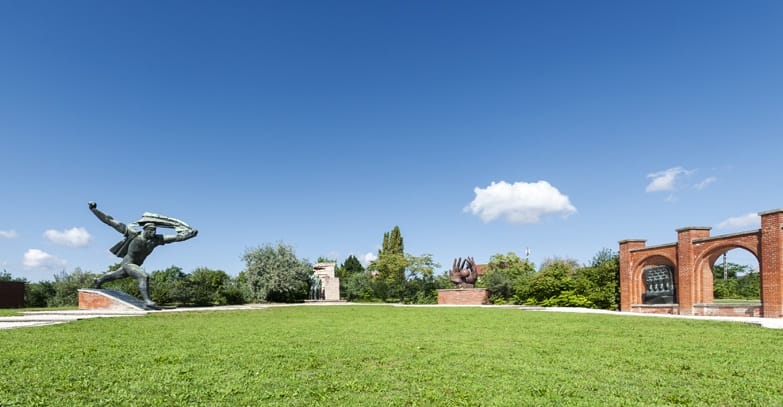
{"x": 324, "y": 286}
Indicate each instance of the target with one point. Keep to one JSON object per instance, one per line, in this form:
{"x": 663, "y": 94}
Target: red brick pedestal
{"x": 463, "y": 296}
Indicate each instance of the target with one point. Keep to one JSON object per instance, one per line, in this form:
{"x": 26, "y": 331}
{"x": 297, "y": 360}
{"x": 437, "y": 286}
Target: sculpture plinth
{"x": 463, "y": 296}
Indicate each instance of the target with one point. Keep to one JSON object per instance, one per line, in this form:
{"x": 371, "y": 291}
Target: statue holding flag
{"x": 137, "y": 245}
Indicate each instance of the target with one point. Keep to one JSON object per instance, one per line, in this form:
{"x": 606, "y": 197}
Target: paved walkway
{"x": 39, "y": 318}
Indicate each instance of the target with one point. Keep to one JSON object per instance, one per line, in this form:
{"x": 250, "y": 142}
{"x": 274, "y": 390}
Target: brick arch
{"x": 696, "y": 251}
{"x": 657, "y": 257}
{"x": 709, "y": 250}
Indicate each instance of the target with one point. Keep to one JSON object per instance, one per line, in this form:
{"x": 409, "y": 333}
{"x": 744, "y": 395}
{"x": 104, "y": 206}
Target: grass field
{"x": 381, "y": 355}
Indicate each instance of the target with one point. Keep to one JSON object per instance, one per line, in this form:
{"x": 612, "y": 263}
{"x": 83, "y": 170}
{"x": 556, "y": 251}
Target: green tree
{"x": 350, "y": 267}
{"x": 6, "y": 276}
{"x": 507, "y": 277}
{"x": 732, "y": 270}
{"x": 170, "y": 286}
{"x": 39, "y": 294}
{"x": 598, "y": 282}
{"x": 67, "y": 285}
{"x": 358, "y": 287}
{"x": 556, "y": 276}
{"x": 741, "y": 282}
{"x": 749, "y": 286}
{"x": 274, "y": 273}
{"x": 421, "y": 284}
{"x": 208, "y": 286}
{"x": 390, "y": 266}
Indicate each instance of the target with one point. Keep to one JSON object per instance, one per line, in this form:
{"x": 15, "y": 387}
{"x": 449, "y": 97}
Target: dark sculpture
{"x": 316, "y": 293}
{"x": 659, "y": 285}
{"x": 137, "y": 245}
{"x": 464, "y": 272}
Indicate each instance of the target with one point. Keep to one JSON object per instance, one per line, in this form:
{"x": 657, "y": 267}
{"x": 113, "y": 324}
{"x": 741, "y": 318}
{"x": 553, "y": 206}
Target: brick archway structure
{"x": 692, "y": 257}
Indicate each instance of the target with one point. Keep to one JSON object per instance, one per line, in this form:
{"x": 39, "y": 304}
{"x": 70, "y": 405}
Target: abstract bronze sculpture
{"x": 137, "y": 245}
{"x": 464, "y": 272}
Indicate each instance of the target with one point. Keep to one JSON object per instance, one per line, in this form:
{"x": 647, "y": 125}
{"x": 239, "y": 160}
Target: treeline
{"x": 171, "y": 286}
{"x": 274, "y": 273}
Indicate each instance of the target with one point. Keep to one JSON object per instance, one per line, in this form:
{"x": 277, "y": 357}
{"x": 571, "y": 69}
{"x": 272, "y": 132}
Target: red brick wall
{"x": 467, "y": 296}
{"x": 696, "y": 252}
{"x": 771, "y": 264}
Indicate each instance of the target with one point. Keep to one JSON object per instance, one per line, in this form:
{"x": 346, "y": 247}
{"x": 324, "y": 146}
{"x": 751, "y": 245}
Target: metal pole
{"x": 725, "y": 271}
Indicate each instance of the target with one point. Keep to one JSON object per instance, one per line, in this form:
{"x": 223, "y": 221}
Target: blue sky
{"x": 477, "y": 127}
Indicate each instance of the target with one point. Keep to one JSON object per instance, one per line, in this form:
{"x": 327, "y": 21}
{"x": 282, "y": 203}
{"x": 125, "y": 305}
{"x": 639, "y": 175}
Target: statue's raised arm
{"x": 118, "y": 226}
{"x": 181, "y": 235}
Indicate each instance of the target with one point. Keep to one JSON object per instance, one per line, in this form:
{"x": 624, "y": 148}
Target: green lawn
{"x": 381, "y": 355}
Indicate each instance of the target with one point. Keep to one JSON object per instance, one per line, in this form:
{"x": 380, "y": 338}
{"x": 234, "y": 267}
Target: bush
{"x": 568, "y": 299}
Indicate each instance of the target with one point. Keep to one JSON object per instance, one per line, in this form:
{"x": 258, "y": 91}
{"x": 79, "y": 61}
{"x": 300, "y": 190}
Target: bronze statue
{"x": 137, "y": 245}
{"x": 315, "y": 287}
{"x": 464, "y": 272}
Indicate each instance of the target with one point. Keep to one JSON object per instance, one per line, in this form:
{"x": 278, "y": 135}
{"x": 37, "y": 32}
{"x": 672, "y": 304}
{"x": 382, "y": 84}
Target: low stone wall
{"x": 703, "y": 310}
{"x": 463, "y": 296}
{"x": 670, "y": 309}
{"x": 727, "y": 310}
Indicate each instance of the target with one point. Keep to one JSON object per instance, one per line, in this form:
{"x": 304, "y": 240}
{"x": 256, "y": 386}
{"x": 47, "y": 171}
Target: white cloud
{"x": 39, "y": 259}
{"x": 73, "y": 237}
{"x": 749, "y": 219}
{"x": 8, "y": 234}
{"x": 704, "y": 184}
{"x": 520, "y": 202}
{"x": 367, "y": 258}
{"x": 666, "y": 180}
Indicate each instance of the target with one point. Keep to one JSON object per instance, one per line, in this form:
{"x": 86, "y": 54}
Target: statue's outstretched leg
{"x": 110, "y": 276}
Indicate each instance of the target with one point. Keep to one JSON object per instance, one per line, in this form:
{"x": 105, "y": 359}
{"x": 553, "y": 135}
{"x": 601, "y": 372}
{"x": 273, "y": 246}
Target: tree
{"x": 350, "y": 266}
{"x": 274, "y": 273}
{"x": 358, "y": 287}
{"x": 741, "y": 282}
{"x": 169, "y": 286}
{"x": 599, "y": 282}
{"x": 556, "y": 276}
{"x": 507, "y": 276}
{"x": 420, "y": 284}
{"x": 39, "y": 294}
{"x": 732, "y": 270}
{"x": 67, "y": 285}
{"x": 390, "y": 266}
{"x": 207, "y": 286}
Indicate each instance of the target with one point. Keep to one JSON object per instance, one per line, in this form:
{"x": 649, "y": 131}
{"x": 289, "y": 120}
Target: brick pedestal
{"x": 463, "y": 296}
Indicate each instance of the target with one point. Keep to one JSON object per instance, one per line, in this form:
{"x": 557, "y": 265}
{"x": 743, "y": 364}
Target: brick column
{"x": 685, "y": 265}
{"x": 771, "y": 264}
{"x": 626, "y": 272}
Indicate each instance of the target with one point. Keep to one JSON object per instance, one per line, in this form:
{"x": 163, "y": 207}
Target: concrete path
{"x": 772, "y": 323}
{"x": 39, "y": 318}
